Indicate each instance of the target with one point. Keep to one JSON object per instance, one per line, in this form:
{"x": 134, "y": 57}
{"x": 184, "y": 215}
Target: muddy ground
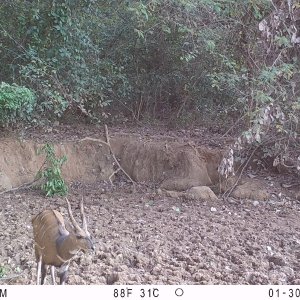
{"x": 143, "y": 237}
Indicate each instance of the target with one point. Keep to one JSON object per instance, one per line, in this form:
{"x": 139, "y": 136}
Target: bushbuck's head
{"x": 82, "y": 237}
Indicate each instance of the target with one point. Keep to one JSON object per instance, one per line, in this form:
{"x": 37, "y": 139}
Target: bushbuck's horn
{"x": 74, "y": 223}
{"x": 84, "y": 223}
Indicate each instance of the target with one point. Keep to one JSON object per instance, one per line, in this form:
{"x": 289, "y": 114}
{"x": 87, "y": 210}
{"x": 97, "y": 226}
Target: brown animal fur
{"x": 55, "y": 245}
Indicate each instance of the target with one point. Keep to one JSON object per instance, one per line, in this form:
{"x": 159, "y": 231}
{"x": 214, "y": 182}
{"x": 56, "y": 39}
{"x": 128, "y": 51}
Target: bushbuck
{"x": 57, "y": 241}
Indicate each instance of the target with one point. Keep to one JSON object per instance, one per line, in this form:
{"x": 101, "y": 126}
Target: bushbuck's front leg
{"x": 63, "y": 273}
{"x": 52, "y": 270}
{"x": 38, "y": 274}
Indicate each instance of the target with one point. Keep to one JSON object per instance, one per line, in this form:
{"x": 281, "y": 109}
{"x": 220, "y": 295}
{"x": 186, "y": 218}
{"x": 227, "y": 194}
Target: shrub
{"x": 54, "y": 183}
{"x": 16, "y": 103}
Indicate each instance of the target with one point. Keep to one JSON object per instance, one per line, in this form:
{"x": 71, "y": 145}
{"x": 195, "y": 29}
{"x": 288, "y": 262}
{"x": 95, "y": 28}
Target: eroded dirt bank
{"x": 20, "y": 161}
{"x": 171, "y": 165}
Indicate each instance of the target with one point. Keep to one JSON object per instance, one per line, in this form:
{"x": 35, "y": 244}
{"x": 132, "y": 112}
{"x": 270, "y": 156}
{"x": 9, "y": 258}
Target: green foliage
{"x": 2, "y": 271}
{"x": 145, "y": 59}
{"x": 54, "y": 183}
{"x": 16, "y": 103}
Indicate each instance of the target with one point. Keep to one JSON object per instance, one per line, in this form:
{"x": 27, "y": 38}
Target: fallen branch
{"x": 107, "y": 143}
{"x": 94, "y": 140}
{"x": 112, "y": 174}
{"x": 24, "y": 185}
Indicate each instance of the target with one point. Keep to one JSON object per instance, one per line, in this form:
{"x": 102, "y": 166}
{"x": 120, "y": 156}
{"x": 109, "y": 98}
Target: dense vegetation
{"x": 176, "y": 60}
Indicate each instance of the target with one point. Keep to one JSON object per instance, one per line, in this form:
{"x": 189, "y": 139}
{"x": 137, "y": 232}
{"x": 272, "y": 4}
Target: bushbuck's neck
{"x": 67, "y": 247}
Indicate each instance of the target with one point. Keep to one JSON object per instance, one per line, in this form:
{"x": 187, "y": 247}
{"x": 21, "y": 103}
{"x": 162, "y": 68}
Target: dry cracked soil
{"x": 142, "y": 237}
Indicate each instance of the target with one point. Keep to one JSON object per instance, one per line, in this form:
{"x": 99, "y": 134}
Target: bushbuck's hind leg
{"x": 44, "y": 273}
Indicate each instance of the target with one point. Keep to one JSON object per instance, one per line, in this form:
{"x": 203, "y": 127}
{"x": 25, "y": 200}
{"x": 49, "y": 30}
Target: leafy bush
{"x": 16, "y": 103}
{"x": 54, "y": 183}
{"x": 149, "y": 59}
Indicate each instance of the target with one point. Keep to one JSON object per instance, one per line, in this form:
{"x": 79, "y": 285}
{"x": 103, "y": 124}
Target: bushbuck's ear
{"x": 62, "y": 230}
{"x": 61, "y": 224}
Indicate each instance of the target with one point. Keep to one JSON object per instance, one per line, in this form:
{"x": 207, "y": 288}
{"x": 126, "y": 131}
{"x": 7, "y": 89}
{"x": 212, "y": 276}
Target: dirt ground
{"x": 143, "y": 237}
